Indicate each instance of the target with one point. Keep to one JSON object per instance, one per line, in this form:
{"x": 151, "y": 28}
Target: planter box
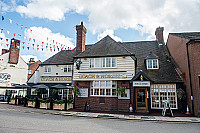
{"x": 44, "y": 105}
{"x": 69, "y": 106}
{"x": 31, "y": 104}
{"x": 12, "y": 102}
{"x": 59, "y": 106}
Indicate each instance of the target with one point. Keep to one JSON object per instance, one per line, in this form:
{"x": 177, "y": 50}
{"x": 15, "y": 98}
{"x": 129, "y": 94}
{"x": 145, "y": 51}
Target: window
{"x": 33, "y": 91}
{"x": 29, "y": 71}
{"x": 152, "y": 64}
{"x": 102, "y": 62}
{"x": 47, "y": 69}
{"x": 103, "y": 88}
{"x": 163, "y": 93}
{"x": 68, "y": 68}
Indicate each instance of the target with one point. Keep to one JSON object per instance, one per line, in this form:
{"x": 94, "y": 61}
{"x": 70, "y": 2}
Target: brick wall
{"x": 33, "y": 67}
{"x": 194, "y": 52}
{"x": 111, "y": 103}
{"x": 177, "y": 49}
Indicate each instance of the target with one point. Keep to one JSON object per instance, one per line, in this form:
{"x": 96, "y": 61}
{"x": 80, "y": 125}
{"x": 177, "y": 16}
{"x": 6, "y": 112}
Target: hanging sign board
{"x": 83, "y": 92}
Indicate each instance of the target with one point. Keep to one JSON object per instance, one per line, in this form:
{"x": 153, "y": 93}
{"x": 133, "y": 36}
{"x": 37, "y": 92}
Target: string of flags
{"x": 49, "y": 44}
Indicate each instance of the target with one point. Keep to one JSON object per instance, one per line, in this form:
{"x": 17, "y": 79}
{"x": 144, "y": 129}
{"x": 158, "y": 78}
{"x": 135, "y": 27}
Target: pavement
{"x": 100, "y": 115}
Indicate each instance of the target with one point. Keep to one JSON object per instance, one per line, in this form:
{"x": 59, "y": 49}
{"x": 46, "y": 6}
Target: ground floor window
{"x": 161, "y": 93}
{"x": 103, "y": 88}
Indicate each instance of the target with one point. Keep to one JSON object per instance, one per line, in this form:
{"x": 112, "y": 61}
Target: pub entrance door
{"x": 141, "y": 99}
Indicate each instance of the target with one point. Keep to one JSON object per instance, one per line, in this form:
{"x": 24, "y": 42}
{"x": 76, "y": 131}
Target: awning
{"x": 41, "y": 86}
{"x": 59, "y": 86}
{"x": 22, "y": 86}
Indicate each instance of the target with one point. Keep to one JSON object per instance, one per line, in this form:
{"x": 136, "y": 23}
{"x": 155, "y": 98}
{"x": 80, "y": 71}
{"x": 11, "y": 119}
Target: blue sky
{"x": 127, "y": 20}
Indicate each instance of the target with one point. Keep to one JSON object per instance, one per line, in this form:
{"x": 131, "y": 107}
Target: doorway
{"x": 141, "y": 98}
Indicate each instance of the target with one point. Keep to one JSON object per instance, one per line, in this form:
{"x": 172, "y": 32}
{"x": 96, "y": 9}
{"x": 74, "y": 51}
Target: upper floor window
{"x": 47, "y": 69}
{"x": 152, "y": 64}
{"x": 68, "y": 68}
{"x": 102, "y": 62}
{"x": 29, "y": 71}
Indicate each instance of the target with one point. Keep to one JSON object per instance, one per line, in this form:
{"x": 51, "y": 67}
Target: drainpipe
{"x": 191, "y": 90}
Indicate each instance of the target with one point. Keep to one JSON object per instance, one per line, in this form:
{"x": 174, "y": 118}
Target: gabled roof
{"x": 106, "y": 47}
{"x": 187, "y": 35}
{"x": 166, "y": 72}
{"x": 61, "y": 58}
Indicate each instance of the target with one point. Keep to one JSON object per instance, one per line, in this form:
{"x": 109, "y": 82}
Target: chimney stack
{"x": 4, "y": 51}
{"x": 14, "y": 51}
{"x": 159, "y": 35}
{"x": 80, "y": 42}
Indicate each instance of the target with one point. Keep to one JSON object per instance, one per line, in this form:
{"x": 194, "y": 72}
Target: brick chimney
{"x": 14, "y": 51}
{"x": 159, "y": 35}
{"x": 80, "y": 42}
{"x": 4, "y": 51}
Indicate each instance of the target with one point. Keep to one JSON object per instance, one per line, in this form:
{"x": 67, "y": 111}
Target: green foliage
{"x": 37, "y": 90}
{"x": 13, "y": 98}
{"x": 70, "y": 101}
{"x": 58, "y": 102}
{"x": 181, "y": 94}
{"x": 121, "y": 91}
{"x": 76, "y": 91}
{"x": 55, "y": 91}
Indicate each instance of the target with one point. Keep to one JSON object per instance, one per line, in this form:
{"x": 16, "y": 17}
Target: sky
{"x": 46, "y": 27}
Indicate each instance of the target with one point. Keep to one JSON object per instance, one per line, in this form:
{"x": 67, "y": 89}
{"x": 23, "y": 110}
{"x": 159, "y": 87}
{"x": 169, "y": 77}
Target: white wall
{"x": 85, "y": 73}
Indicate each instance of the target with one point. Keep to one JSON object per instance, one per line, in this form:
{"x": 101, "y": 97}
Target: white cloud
{"x": 26, "y": 58}
{"x": 174, "y": 15}
{"x": 45, "y": 40}
{"x": 111, "y": 34}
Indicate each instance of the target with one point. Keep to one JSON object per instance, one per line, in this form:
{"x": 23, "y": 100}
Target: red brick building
{"x": 184, "y": 49}
{"x": 32, "y": 66}
{"x": 141, "y": 68}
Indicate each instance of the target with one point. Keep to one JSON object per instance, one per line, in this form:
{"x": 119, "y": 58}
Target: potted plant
{"x": 70, "y": 104}
{"x": 58, "y": 105}
{"x": 44, "y": 104}
{"x": 181, "y": 98}
{"x": 31, "y": 102}
{"x": 76, "y": 91}
{"x": 121, "y": 91}
{"x": 12, "y": 100}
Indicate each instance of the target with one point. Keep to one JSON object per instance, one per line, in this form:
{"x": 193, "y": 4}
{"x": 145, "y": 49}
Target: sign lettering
{"x": 54, "y": 78}
{"x": 101, "y": 76}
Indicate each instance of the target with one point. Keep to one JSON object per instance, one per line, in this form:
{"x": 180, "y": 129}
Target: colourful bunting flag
{"x": 37, "y": 49}
{"x": 14, "y": 34}
{"x": 47, "y": 38}
{"x": 42, "y": 43}
{"x": 42, "y": 49}
{"x": 21, "y": 26}
{"x": 7, "y": 45}
{"x": 28, "y": 48}
{"x": 23, "y": 42}
{"x": 30, "y": 30}
{"x": 37, "y": 45}
{"x": 10, "y": 21}
{"x": 16, "y": 23}
{"x": 2, "y": 18}
{"x": 1, "y": 38}
{"x": 29, "y": 39}
{"x": 7, "y": 40}
{"x": 33, "y": 45}
{"x": 23, "y": 47}
{"x": 34, "y": 40}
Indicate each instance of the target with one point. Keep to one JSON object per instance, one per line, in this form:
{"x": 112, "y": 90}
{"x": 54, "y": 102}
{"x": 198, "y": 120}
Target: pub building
{"x": 142, "y": 68}
{"x": 55, "y": 71}
{"x": 13, "y": 72}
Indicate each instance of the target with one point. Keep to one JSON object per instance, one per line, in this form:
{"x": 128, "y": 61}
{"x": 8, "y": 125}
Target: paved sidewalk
{"x": 4, "y": 106}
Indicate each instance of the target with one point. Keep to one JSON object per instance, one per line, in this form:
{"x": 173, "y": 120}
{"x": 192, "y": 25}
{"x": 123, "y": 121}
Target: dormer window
{"x": 152, "y": 64}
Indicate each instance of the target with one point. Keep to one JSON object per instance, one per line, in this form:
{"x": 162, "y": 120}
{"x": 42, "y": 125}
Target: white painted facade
{"x": 56, "y": 74}
{"x": 124, "y": 70}
{"x": 12, "y": 74}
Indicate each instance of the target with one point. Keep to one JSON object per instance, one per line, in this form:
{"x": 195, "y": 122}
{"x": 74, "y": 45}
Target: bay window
{"x": 161, "y": 93}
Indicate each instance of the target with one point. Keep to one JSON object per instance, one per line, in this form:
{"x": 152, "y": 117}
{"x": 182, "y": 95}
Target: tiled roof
{"x": 187, "y": 35}
{"x": 166, "y": 72}
{"x": 61, "y": 58}
{"x": 104, "y": 48}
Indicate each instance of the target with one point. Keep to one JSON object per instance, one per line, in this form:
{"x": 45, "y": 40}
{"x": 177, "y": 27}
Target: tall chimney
{"x": 14, "y": 51}
{"x": 80, "y": 42}
{"x": 159, "y": 35}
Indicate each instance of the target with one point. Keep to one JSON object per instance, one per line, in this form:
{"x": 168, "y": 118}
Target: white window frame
{"x": 47, "y": 69}
{"x": 94, "y": 88}
{"x": 102, "y": 63}
{"x": 33, "y": 91}
{"x": 68, "y": 67}
{"x": 160, "y": 87}
{"x": 148, "y": 67}
{"x": 30, "y": 71}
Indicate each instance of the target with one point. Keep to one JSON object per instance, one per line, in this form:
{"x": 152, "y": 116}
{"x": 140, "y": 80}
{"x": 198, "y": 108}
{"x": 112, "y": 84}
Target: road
{"x": 12, "y": 121}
